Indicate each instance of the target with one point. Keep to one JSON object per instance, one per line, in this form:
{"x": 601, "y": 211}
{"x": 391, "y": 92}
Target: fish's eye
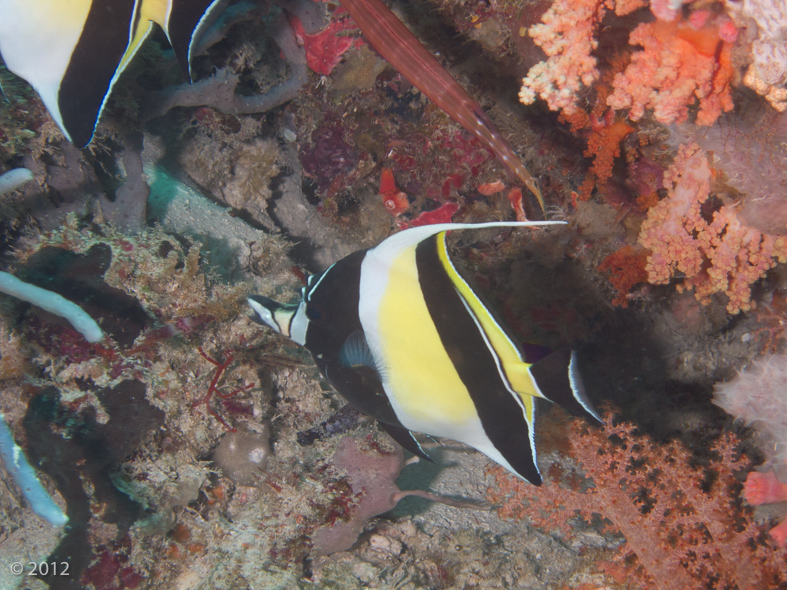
{"x": 313, "y": 313}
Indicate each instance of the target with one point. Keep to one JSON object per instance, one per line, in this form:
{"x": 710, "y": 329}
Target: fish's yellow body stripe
{"x": 157, "y": 11}
{"x": 426, "y": 386}
{"x": 515, "y": 369}
{"x": 150, "y": 11}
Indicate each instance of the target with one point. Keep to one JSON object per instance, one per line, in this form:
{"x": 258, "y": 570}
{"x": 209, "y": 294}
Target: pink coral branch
{"x": 723, "y": 256}
{"x": 678, "y": 65}
{"x": 566, "y": 33}
{"x": 684, "y": 531}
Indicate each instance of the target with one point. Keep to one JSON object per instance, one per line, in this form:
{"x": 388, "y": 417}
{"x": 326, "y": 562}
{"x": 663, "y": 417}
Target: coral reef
{"x": 242, "y": 181}
{"x": 299, "y": 144}
{"x": 749, "y": 152}
{"x": 682, "y": 523}
{"x": 680, "y": 61}
{"x": 566, "y": 33}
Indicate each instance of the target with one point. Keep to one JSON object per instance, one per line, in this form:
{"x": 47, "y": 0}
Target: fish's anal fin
{"x": 405, "y": 438}
{"x": 557, "y": 379}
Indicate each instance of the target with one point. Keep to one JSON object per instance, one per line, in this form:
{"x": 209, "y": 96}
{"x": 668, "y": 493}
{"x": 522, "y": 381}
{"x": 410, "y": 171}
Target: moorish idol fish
{"x": 403, "y": 337}
{"x": 73, "y": 51}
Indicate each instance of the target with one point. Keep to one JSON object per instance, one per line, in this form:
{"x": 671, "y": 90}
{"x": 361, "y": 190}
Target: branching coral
{"x": 767, "y": 74}
{"x": 678, "y": 63}
{"x": 682, "y": 523}
{"x": 603, "y": 146}
{"x": 219, "y": 91}
{"x": 567, "y": 35}
{"x": 720, "y": 256}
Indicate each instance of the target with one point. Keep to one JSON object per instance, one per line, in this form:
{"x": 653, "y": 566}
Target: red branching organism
{"x": 324, "y": 49}
{"x": 684, "y": 525}
{"x": 220, "y": 368}
{"x": 442, "y": 214}
{"x": 624, "y": 269}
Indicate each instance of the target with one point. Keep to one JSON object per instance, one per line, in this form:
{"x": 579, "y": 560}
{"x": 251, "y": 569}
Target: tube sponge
{"x": 14, "y": 179}
{"x": 53, "y": 303}
{"x": 25, "y": 477}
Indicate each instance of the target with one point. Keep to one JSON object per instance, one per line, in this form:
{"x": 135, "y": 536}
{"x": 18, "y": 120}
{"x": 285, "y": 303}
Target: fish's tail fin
{"x": 557, "y": 380}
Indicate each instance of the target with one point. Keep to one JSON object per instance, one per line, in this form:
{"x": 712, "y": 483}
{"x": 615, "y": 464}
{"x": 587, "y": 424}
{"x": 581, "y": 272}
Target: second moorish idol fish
{"x": 403, "y": 337}
{"x": 73, "y": 51}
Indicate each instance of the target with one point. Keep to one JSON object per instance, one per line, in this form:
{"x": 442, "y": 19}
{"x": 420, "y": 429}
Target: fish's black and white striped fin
{"x": 557, "y": 379}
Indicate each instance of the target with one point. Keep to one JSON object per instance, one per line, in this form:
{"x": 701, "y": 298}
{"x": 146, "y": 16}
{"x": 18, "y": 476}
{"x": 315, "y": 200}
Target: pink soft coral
{"x": 681, "y": 61}
{"x": 723, "y": 256}
{"x": 678, "y": 64}
{"x": 566, "y": 33}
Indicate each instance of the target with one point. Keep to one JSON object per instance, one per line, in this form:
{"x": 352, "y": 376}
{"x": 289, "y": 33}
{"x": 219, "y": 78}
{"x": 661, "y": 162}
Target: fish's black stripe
{"x": 501, "y": 415}
{"x": 332, "y": 310}
{"x": 93, "y": 63}
{"x": 333, "y": 307}
{"x": 184, "y": 18}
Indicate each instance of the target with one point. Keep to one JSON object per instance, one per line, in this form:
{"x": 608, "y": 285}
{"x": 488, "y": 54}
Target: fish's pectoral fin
{"x": 356, "y": 353}
{"x": 557, "y": 380}
{"x": 405, "y": 438}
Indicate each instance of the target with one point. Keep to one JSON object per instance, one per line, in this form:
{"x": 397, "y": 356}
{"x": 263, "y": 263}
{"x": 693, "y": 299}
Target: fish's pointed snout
{"x": 272, "y": 313}
{"x": 264, "y": 309}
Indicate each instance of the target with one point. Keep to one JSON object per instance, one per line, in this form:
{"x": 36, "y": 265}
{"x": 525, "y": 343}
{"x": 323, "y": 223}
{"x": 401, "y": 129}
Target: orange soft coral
{"x": 603, "y": 146}
{"x": 723, "y": 256}
{"x": 624, "y": 269}
{"x": 679, "y": 64}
